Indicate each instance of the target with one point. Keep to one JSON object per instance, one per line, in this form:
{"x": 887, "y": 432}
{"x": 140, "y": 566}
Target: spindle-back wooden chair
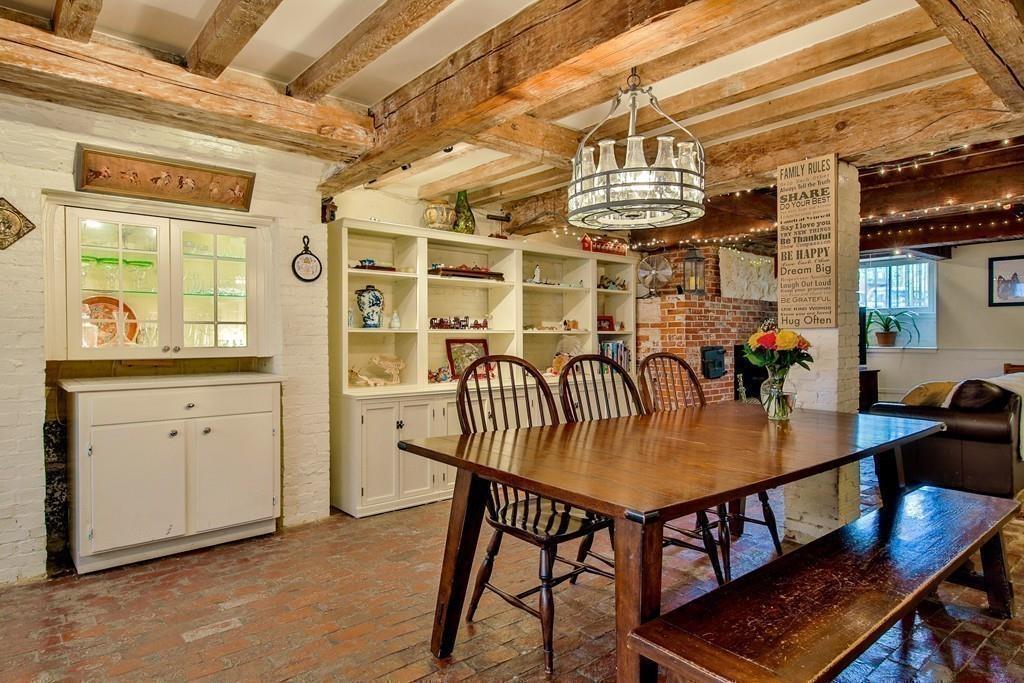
{"x": 594, "y": 387}
{"x": 497, "y": 393}
{"x": 663, "y": 380}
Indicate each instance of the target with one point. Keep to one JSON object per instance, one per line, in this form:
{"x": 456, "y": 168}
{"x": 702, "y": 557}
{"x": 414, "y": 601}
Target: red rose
{"x": 767, "y": 341}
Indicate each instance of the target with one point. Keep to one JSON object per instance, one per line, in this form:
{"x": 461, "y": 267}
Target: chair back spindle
{"x": 667, "y": 382}
{"x": 498, "y": 393}
{"x": 594, "y": 387}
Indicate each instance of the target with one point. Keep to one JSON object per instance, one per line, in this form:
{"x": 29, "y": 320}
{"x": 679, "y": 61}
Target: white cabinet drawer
{"x": 122, "y": 407}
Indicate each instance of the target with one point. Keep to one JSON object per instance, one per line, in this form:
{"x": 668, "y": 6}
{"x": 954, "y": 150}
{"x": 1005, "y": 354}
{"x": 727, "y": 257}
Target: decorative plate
{"x": 103, "y": 312}
{"x": 306, "y": 265}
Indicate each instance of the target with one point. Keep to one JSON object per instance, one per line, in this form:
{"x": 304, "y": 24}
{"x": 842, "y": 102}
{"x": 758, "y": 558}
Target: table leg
{"x": 997, "y": 583}
{"x": 637, "y": 591}
{"x": 889, "y": 470}
{"x": 737, "y": 508}
{"x": 464, "y": 521}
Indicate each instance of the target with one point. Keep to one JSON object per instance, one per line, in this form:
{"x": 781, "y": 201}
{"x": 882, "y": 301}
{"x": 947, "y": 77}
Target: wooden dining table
{"x": 642, "y": 472}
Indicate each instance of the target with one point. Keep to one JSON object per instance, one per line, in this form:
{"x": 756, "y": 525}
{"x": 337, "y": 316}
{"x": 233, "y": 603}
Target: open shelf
{"x": 567, "y": 291}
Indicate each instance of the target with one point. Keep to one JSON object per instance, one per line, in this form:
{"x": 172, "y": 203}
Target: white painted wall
{"x": 974, "y": 340}
{"x": 38, "y": 153}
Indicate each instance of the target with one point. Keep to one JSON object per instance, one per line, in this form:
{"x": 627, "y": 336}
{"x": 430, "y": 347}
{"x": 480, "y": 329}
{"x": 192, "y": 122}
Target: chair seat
{"x": 539, "y": 519}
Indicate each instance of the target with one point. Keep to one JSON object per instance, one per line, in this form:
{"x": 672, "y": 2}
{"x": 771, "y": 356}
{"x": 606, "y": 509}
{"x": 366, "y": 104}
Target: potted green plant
{"x": 891, "y": 324}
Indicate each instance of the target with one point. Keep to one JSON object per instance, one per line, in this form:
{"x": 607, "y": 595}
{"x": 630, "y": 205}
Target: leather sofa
{"x": 979, "y": 451}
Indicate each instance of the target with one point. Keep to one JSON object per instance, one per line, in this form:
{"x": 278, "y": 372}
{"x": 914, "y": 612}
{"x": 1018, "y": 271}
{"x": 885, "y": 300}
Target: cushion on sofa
{"x": 928, "y": 394}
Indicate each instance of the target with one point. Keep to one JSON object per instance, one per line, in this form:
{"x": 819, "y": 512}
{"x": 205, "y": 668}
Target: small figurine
{"x": 351, "y": 318}
{"x": 396, "y": 322}
{"x": 391, "y": 365}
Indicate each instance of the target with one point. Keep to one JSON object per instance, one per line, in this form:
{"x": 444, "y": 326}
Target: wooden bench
{"x": 807, "y": 615}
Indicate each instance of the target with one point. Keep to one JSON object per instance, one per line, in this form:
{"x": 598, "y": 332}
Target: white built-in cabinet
{"x": 159, "y": 465}
{"x": 368, "y": 473}
{"x": 125, "y": 285}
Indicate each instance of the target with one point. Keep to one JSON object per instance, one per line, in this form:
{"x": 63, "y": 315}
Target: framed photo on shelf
{"x": 1006, "y": 281}
{"x": 605, "y": 323}
{"x": 462, "y": 352}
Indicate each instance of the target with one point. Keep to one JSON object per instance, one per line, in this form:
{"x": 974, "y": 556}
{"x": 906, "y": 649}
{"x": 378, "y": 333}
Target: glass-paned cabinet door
{"x": 118, "y": 276}
{"x": 215, "y": 311}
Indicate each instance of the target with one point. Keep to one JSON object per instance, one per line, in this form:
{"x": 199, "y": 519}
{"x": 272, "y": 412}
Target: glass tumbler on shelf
{"x": 110, "y": 268}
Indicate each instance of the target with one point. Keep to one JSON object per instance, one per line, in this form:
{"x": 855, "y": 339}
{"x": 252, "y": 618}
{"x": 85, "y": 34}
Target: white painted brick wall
{"x": 38, "y": 153}
{"x": 828, "y": 500}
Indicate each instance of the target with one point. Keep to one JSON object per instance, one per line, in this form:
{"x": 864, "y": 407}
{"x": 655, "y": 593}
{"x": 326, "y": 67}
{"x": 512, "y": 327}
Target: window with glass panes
{"x": 901, "y": 284}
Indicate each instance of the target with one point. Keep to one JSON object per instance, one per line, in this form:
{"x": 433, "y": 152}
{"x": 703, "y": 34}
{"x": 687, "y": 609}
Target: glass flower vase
{"x": 777, "y": 402}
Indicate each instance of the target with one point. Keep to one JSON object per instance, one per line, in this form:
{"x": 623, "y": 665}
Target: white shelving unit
{"x": 368, "y": 473}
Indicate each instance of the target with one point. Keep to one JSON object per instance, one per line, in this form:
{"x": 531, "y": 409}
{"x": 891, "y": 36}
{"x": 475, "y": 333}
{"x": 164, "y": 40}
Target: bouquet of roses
{"x": 776, "y": 349}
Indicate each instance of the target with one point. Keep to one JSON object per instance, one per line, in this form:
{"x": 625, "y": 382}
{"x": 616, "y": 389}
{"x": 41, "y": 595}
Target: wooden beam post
{"x": 990, "y": 33}
{"x": 228, "y": 30}
{"x": 108, "y": 80}
{"x": 76, "y": 19}
{"x": 375, "y": 35}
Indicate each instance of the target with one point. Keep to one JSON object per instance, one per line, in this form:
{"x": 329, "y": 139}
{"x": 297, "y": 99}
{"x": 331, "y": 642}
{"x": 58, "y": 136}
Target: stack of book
{"x": 617, "y": 351}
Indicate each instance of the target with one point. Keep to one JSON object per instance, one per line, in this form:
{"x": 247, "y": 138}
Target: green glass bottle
{"x": 464, "y": 220}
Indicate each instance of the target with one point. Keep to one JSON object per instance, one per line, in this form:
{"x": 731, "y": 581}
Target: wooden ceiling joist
{"x": 989, "y": 226}
{"x": 100, "y": 78}
{"x": 959, "y": 193}
{"x": 375, "y": 35}
{"x": 980, "y": 157}
{"x": 546, "y": 52}
{"x": 919, "y": 68}
{"x": 899, "y": 32}
{"x": 423, "y": 165}
{"x": 76, "y": 19}
{"x": 737, "y": 25}
{"x": 476, "y": 178}
{"x": 228, "y": 30}
{"x": 521, "y": 187}
{"x": 961, "y": 111}
{"x": 529, "y": 137}
{"x": 990, "y": 33}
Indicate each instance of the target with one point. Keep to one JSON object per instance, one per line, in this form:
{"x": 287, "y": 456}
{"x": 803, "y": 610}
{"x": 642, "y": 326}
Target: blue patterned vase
{"x": 371, "y": 306}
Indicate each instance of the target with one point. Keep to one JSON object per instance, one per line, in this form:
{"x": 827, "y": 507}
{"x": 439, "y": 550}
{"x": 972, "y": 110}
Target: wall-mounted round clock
{"x": 306, "y": 265}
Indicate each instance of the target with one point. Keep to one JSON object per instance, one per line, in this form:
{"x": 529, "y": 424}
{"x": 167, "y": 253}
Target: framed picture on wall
{"x": 1006, "y": 281}
{"x": 462, "y": 352}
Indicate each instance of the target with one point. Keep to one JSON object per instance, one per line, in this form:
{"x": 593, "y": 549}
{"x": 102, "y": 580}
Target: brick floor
{"x": 350, "y": 599}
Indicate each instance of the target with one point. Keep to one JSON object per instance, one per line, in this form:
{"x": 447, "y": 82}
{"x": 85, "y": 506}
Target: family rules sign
{"x": 807, "y": 242}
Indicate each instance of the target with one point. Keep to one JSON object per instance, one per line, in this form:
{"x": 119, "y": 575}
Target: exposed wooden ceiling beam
{"x": 549, "y": 50}
{"x": 744, "y": 24}
{"x": 990, "y": 33}
{"x": 529, "y": 137}
{"x": 476, "y": 178}
{"x": 423, "y": 165}
{"x": 991, "y": 226}
{"x": 230, "y": 27}
{"x": 979, "y": 157}
{"x": 868, "y": 42}
{"x": 943, "y": 61}
{"x": 375, "y": 35}
{"x": 524, "y": 212}
{"x": 988, "y": 186}
{"x": 957, "y": 112}
{"x": 100, "y": 78}
{"x": 76, "y": 19}
{"x": 521, "y": 187}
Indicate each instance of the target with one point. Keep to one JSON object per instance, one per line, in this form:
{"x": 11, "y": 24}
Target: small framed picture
{"x": 462, "y": 352}
{"x": 1006, "y": 281}
{"x": 605, "y": 323}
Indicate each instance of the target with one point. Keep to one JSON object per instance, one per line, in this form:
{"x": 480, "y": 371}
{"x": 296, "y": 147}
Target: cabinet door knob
{"x": 207, "y": 430}
{"x": 177, "y": 348}
{"x": 173, "y": 433}
{"x": 166, "y": 349}
{"x": 190, "y": 405}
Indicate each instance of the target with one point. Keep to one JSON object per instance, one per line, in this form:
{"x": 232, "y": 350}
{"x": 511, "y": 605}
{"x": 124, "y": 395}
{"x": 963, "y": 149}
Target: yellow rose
{"x": 786, "y": 340}
{"x": 754, "y": 339}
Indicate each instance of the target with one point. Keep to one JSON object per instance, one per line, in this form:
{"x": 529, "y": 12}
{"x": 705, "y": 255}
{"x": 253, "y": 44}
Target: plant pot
{"x": 886, "y": 338}
{"x": 439, "y": 215}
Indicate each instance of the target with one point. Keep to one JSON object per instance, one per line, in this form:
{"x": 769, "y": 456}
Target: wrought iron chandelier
{"x": 637, "y": 196}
